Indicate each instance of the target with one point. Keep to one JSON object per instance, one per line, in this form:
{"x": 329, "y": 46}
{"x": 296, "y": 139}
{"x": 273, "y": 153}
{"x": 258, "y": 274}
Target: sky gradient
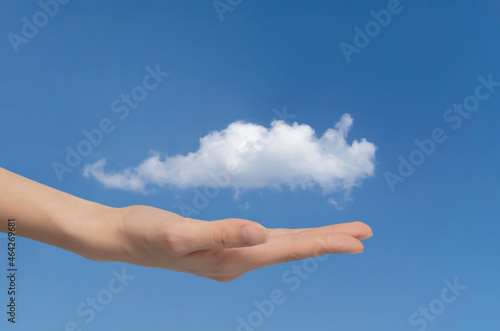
{"x": 421, "y": 85}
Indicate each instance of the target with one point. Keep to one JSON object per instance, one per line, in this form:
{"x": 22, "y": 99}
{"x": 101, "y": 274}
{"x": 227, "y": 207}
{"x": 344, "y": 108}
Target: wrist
{"x": 96, "y": 232}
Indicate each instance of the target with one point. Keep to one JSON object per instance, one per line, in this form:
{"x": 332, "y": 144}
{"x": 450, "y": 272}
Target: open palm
{"x": 220, "y": 250}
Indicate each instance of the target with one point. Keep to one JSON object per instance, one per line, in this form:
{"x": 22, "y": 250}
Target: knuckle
{"x": 173, "y": 244}
{"x": 222, "y": 237}
{"x": 177, "y": 247}
{"x": 293, "y": 257}
{"x": 327, "y": 243}
{"x": 295, "y": 253}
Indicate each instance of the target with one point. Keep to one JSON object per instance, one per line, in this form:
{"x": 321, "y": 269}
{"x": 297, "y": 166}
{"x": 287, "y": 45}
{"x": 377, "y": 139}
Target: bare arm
{"x": 54, "y": 217}
{"x": 222, "y": 250}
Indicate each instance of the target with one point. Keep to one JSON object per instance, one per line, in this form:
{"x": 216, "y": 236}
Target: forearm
{"x": 57, "y": 218}
{"x": 222, "y": 250}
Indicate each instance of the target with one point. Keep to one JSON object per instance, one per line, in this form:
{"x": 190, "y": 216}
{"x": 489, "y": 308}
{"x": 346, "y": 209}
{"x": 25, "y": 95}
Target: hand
{"x": 219, "y": 250}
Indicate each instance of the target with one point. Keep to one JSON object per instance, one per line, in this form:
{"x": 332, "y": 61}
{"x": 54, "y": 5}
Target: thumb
{"x": 227, "y": 233}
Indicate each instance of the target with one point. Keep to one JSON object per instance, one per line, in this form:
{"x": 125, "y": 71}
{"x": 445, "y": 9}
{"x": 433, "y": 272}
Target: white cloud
{"x": 250, "y": 156}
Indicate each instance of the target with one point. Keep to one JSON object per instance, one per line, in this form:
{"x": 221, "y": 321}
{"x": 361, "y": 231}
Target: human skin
{"x": 152, "y": 237}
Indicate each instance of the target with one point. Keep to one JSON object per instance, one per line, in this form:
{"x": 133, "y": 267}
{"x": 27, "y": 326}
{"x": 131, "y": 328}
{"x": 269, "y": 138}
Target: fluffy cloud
{"x": 249, "y": 156}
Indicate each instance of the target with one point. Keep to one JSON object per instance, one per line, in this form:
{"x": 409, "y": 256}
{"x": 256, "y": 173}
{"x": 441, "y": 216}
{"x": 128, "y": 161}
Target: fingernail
{"x": 254, "y": 234}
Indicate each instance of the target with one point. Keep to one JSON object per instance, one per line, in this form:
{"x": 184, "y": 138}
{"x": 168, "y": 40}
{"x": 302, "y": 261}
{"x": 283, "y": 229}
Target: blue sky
{"x": 440, "y": 224}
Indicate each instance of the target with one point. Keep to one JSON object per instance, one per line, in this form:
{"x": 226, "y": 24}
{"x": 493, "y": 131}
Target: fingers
{"x": 232, "y": 233}
{"x": 357, "y": 230}
{"x": 284, "y": 245}
{"x": 227, "y": 233}
{"x": 298, "y": 246}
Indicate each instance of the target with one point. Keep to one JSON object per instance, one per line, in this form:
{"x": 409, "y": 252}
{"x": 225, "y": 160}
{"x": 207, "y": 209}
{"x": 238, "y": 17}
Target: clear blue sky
{"x": 441, "y": 223}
